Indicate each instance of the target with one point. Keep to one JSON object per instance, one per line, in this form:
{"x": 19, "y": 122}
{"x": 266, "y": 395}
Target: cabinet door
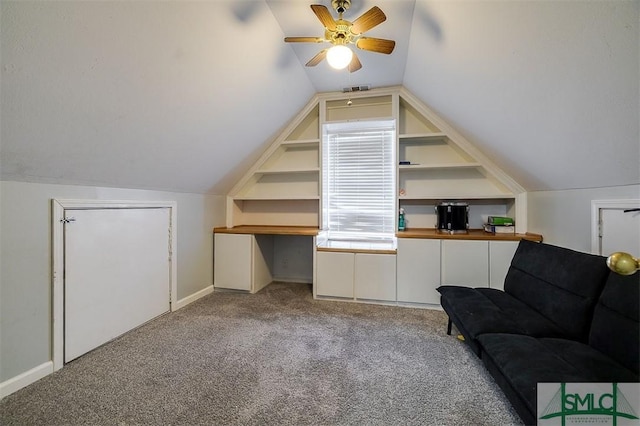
{"x": 232, "y": 261}
{"x": 334, "y": 274}
{"x": 375, "y": 276}
{"x": 500, "y": 255}
{"x": 465, "y": 263}
{"x": 418, "y": 273}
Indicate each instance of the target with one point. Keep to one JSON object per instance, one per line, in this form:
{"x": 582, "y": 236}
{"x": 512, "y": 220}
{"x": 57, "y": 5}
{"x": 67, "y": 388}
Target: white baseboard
{"x": 18, "y": 382}
{"x": 300, "y": 280}
{"x": 195, "y": 296}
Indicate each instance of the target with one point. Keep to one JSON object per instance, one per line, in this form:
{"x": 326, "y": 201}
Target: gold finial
{"x": 623, "y": 263}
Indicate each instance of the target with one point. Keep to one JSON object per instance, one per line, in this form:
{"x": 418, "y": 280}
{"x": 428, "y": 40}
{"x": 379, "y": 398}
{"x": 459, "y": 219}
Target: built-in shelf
{"x": 285, "y": 184}
{"x": 420, "y": 136}
{"x": 460, "y": 196}
{"x": 360, "y": 108}
{"x": 276, "y": 198}
{"x": 285, "y": 171}
{"x": 418, "y": 167}
{"x": 302, "y": 143}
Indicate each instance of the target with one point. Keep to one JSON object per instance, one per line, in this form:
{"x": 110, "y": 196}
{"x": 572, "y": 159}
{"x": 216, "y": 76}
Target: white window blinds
{"x": 359, "y": 180}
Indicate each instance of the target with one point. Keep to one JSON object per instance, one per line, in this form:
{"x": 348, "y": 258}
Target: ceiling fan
{"x": 341, "y": 33}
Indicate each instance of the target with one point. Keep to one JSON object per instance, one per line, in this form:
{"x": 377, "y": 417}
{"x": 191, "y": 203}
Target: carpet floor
{"x": 277, "y": 357}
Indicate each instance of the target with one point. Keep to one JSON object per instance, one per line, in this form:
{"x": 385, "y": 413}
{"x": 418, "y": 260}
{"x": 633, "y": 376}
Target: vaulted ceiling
{"x": 183, "y": 96}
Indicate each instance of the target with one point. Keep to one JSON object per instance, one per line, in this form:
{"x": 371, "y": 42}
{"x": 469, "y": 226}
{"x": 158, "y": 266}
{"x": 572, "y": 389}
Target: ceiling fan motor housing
{"x": 340, "y": 6}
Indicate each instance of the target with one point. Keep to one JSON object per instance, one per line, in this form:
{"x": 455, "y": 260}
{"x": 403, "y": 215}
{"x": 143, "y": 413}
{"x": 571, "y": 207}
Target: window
{"x": 358, "y": 172}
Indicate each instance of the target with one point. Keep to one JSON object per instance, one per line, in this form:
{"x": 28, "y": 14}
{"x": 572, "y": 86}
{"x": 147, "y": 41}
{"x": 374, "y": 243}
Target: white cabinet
{"x": 334, "y": 274}
{"x": 232, "y": 266}
{"x": 418, "y": 273}
{"x": 375, "y": 276}
{"x": 356, "y": 275}
{"x": 465, "y": 263}
{"x": 500, "y": 255}
{"x": 242, "y": 261}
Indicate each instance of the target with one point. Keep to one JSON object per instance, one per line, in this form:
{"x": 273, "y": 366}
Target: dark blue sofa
{"x": 562, "y": 317}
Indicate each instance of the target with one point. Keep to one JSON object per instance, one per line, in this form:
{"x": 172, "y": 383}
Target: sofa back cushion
{"x": 614, "y": 330}
{"x": 561, "y": 284}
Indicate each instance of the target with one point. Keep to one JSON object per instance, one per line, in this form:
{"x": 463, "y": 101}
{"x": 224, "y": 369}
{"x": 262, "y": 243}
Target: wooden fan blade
{"x": 368, "y": 20}
{"x": 379, "y": 45}
{"x": 324, "y": 16}
{"x": 355, "y": 64}
{"x": 303, "y": 39}
{"x": 317, "y": 59}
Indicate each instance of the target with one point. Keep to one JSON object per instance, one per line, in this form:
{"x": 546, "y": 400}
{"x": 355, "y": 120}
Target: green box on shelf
{"x": 501, "y": 220}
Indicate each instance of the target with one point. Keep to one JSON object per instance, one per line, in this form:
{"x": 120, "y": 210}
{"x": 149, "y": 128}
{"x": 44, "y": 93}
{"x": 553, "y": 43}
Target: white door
{"x": 117, "y": 273}
{"x": 620, "y": 231}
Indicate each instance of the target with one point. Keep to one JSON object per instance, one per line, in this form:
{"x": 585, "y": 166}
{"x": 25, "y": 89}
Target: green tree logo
{"x": 565, "y": 404}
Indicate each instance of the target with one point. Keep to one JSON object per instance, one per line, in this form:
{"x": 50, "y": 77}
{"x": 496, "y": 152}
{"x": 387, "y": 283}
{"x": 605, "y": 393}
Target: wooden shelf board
{"x": 417, "y": 167}
{"x": 283, "y": 198}
{"x": 300, "y": 143}
{"x": 459, "y": 197}
{"x": 287, "y": 171}
{"x": 268, "y": 230}
{"x": 473, "y": 234}
{"x": 411, "y": 136}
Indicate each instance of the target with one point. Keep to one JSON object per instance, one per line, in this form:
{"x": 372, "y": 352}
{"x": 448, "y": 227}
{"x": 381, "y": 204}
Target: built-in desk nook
{"x": 405, "y": 272}
{"x": 276, "y": 211}
{"x": 250, "y": 257}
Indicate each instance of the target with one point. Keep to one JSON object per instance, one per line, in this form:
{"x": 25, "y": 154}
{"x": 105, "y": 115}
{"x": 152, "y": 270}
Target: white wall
{"x": 25, "y": 259}
{"x": 122, "y": 93}
{"x": 564, "y": 217}
{"x": 547, "y": 89}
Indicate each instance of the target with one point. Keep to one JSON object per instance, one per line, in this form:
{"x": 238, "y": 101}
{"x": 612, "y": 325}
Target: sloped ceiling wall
{"x": 155, "y": 95}
{"x": 550, "y": 90}
{"x": 183, "y": 96}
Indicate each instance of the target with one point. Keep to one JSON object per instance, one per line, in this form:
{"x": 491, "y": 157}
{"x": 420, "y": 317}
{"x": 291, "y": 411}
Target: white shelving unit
{"x": 284, "y": 186}
{"x": 443, "y": 166}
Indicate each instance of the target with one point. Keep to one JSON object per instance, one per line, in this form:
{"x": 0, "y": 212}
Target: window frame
{"x": 388, "y": 130}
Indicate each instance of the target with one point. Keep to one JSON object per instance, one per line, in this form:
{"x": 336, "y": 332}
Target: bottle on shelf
{"x": 401, "y": 220}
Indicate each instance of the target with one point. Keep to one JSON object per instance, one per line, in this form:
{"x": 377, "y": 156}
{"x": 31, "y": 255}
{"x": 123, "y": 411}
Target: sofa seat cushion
{"x": 520, "y": 362}
{"x": 476, "y": 311}
{"x": 530, "y": 321}
{"x": 561, "y": 284}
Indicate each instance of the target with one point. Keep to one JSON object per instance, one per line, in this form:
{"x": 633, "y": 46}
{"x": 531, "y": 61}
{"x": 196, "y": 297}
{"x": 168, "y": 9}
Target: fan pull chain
{"x": 349, "y": 103}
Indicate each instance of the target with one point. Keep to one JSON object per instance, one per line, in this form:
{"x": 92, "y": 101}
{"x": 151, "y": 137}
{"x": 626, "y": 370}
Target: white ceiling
{"x": 184, "y": 95}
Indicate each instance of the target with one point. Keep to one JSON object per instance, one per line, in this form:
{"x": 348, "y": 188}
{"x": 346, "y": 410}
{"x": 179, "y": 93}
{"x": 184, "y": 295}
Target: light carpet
{"x": 277, "y": 357}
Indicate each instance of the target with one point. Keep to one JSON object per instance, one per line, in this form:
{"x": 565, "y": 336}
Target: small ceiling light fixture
{"x": 339, "y": 57}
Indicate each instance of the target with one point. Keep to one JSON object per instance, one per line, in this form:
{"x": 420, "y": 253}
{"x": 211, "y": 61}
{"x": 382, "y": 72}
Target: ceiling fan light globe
{"x": 339, "y": 57}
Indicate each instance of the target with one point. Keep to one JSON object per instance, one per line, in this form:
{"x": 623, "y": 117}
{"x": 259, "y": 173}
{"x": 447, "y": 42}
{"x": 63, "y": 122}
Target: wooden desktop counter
{"x": 268, "y": 230}
{"x": 244, "y": 258}
{"x": 425, "y": 233}
{"x": 472, "y": 234}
